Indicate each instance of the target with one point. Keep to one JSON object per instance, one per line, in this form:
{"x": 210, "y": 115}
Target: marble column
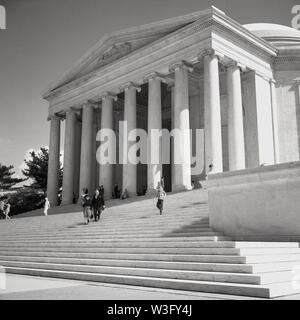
{"x": 54, "y": 163}
{"x": 182, "y": 148}
{"x": 107, "y": 122}
{"x": 77, "y": 155}
{"x": 154, "y": 154}
{"x": 236, "y": 145}
{"x": 69, "y": 158}
{"x": 275, "y": 121}
{"x": 258, "y": 124}
{"x": 212, "y": 112}
{"x": 172, "y": 88}
{"x": 129, "y": 167}
{"x": 86, "y": 159}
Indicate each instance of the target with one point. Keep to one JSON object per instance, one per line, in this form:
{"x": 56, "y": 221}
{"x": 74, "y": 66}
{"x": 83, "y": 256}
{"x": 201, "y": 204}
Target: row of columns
{"x": 181, "y": 173}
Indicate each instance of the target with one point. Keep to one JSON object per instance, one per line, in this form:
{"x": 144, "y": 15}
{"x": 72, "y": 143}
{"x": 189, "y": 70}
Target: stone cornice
{"x": 157, "y": 28}
{"x": 188, "y": 30}
{"x": 156, "y": 56}
{"x": 287, "y": 60}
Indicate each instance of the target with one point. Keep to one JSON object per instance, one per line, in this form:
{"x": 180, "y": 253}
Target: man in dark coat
{"x": 98, "y": 204}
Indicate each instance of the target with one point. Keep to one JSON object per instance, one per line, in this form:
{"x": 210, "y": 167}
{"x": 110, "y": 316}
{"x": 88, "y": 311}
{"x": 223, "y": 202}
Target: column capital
{"x": 180, "y": 65}
{"x": 129, "y": 85}
{"x": 171, "y": 85}
{"x": 55, "y": 116}
{"x": 236, "y": 64}
{"x": 154, "y": 75}
{"x": 71, "y": 110}
{"x": 89, "y": 103}
{"x": 110, "y": 95}
{"x": 266, "y": 78}
{"x": 210, "y": 53}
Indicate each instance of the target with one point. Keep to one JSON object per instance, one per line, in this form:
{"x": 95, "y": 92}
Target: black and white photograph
{"x": 150, "y": 151}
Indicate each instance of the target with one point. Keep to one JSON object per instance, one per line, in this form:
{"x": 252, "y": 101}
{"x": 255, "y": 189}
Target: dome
{"x": 270, "y": 31}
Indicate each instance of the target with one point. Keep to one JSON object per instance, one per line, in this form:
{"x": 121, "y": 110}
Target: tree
{"x": 26, "y": 199}
{"x": 37, "y": 169}
{"x": 6, "y": 177}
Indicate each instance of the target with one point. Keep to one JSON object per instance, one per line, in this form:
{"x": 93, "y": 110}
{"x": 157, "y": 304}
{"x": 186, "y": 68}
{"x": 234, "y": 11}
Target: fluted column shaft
{"x": 106, "y": 169}
{"x": 86, "y": 148}
{"x": 182, "y": 153}
{"x": 53, "y": 163}
{"x": 212, "y": 127}
{"x": 275, "y": 121}
{"x": 129, "y": 167}
{"x": 236, "y": 145}
{"x": 69, "y": 158}
{"x": 154, "y": 122}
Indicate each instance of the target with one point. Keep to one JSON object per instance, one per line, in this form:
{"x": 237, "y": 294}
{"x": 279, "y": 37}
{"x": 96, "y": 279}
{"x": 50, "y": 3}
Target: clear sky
{"x": 44, "y": 37}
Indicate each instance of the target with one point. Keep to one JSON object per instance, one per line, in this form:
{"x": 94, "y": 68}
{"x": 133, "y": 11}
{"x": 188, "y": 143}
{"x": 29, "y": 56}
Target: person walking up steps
{"x": 46, "y": 206}
{"x": 97, "y": 204}
{"x": 7, "y": 210}
{"x": 2, "y": 214}
{"x": 86, "y": 202}
{"x": 161, "y": 195}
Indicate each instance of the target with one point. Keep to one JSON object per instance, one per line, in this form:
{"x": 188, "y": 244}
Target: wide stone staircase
{"x": 133, "y": 245}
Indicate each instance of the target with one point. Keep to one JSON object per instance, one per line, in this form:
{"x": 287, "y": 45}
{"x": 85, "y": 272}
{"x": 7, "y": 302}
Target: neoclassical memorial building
{"x": 237, "y": 84}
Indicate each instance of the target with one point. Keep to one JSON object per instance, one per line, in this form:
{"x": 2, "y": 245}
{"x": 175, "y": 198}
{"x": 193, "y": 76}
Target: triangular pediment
{"x": 119, "y": 44}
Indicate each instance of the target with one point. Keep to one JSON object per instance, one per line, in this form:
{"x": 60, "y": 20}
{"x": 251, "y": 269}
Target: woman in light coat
{"x": 46, "y": 206}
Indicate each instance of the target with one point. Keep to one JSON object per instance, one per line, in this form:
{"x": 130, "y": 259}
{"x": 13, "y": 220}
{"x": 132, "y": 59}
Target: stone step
{"x": 263, "y": 291}
{"x": 159, "y": 250}
{"x": 219, "y": 267}
{"x": 217, "y": 246}
{"x": 160, "y": 273}
{"x": 116, "y": 239}
{"x": 107, "y": 215}
{"x": 132, "y": 256}
{"x": 150, "y": 243}
{"x": 200, "y": 266}
{"x": 125, "y": 236}
{"x": 81, "y": 232}
{"x": 147, "y": 223}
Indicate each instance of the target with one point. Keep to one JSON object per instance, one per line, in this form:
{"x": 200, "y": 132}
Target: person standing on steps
{"x": 116, "y": 192}
{"x": 161, "y": 195}
{"x": 1, "y": 208}
{"x": 97, "y": 203}
{"x": 7, "y": 210}
{"x": 46, "y": 206}
{"x": 125, "y": 194}
{"x": 86, "y": 202}
{"x": 162, "y": 182}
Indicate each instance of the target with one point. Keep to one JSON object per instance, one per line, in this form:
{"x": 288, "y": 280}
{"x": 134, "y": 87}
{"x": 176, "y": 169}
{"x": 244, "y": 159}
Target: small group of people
{"x": 117, "y": 194}
{"x": 92, "y": 206}
{"x": 4, "y": 209}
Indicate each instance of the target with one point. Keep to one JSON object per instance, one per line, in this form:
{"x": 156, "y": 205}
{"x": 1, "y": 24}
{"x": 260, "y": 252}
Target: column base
{"x": 150, "y": 191}
{"x": 182, "y": 188}
{"x": 65, "y": 203}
